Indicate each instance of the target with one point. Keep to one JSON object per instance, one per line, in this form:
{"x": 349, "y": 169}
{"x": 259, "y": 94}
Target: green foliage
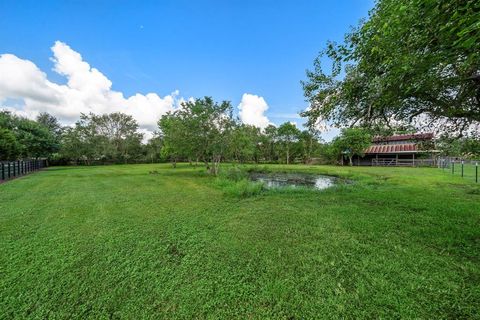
{"x": 33, "y": 140}
{"x": 109, "y": 137}
{"x": 154, "y": 148}
{"x": 118, "y": 242}
{"x": 242, "y": 188}
{"x": 287, "y": 134}
{"x": 468, "y": 148}
{"x": 351, "y": 142}
{"x": 412, "y": 60}
{"x": 200, "y": 129}
{"x": 244, "y": 143}
{"x": 9, "y": 146}
{"x": 235, "y": 174}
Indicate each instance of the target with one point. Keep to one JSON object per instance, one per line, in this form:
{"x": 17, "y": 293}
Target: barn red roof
{"x": 401, "y": 137}
{"x": 392, "y": 148}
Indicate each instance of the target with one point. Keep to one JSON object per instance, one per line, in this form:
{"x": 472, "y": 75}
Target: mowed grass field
{"x": 116, "y": 242}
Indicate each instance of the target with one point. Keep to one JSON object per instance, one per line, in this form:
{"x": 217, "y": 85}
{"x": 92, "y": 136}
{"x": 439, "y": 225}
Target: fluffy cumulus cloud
{"x": 252, "y": 110}
{"x": 25, "y": 89}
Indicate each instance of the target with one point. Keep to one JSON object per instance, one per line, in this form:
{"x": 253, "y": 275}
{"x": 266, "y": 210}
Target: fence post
{"x": 8, "y": 170}
{"x": 462, "y": 168}
{"x": 3, "y": 171}
{"x": 453, "y": 167}
{"x": 476, "y": 172}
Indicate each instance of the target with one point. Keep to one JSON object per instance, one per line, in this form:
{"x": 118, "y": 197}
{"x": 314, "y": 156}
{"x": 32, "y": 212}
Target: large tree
{"x": 288, "y": 134}
{"x": 309, "y": 144}
{"x": 9, "y": 147}
{"x": 244, "y": 143}
{"x": 352, "y": 142}
{"x": 109, "y": 137}
{"x": 411, "y": 61}
{"x": 51, "y": 123}
{"x": 199, "y": 129}
{"x": 32, "y": 138}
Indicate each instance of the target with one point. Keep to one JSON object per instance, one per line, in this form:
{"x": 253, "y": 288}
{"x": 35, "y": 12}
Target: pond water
{"x": 279, "y": 180}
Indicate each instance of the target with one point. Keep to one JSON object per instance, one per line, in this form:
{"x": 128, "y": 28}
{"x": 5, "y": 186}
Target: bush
{"x": 235, "y": 182}
{"x": 235, "y": 174}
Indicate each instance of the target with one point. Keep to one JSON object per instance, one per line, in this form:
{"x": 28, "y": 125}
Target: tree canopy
{"x": 25, "y": 138}
{"x": 411, "y": 61}
{"x": 352, "y": 142}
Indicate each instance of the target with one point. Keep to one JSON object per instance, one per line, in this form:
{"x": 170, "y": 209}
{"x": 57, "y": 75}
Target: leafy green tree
{"x": 52, "y": 123}
{"x": 199, "y": 129}
{"x": 73, "y": 146}
{"x": 288, "y": 134}
{"x": 244, "y": 142}
{"x": 464, "y": 147}
{"x": 36, "y": 140}
{"x": 309, "y": 144}
{"x": 108, "y": 137}
{"x": 9, "y": 147}
{"x": 351, "y": 142}
{"x": 411, "y": 60}
{"x": 267, "y": 143}
{"x": 33, "y": 139}
{"x": 175, "y": 136}
{"x": 154, "y": 148}
{"x": 116, "y": 135}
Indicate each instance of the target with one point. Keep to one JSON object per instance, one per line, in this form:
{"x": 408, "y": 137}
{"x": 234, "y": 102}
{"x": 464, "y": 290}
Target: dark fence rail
{"x": 14, "y": 169}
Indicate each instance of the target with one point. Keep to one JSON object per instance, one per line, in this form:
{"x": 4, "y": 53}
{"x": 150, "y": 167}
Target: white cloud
{"x": 252, "y": 110}
{"x": 87, "y": 90}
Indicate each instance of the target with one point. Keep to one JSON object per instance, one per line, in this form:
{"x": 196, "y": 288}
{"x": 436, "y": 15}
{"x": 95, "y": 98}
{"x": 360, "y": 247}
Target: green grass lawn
{"x": 118, "y": 242}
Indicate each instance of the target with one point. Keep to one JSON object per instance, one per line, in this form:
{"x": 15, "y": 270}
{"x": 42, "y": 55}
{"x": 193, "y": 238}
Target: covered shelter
{"x": 400, "y": 150}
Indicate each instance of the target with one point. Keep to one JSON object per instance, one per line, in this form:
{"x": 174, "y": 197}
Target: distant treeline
{"x": 200, "y": 131}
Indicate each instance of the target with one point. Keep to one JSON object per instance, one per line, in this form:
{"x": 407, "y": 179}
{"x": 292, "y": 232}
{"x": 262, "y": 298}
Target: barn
{"x": 400, "y": 150}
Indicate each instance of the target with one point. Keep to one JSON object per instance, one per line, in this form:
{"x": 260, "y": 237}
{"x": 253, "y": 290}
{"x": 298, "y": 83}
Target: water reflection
{"x": 279, "y": 180}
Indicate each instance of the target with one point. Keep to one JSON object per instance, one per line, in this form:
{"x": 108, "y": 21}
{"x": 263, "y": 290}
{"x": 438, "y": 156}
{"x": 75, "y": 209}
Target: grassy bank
{"x": 120, "y": 242}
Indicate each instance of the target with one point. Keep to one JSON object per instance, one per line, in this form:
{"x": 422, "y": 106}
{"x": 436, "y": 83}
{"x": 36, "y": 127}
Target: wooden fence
{"x": 385, "y": 162}
{"x": 13, "y": 169}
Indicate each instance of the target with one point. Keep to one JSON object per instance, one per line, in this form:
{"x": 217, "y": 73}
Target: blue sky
{"x": 221, "y": 49}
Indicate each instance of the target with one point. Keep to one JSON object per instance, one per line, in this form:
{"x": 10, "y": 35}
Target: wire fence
{"x": 13, "y": 169}
{"x": 467, "y": 169}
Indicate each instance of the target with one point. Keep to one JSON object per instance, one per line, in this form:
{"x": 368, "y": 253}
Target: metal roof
{"x": 393, "y": 148}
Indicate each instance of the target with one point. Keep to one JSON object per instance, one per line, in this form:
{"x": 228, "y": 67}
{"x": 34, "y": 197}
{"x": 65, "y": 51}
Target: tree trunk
{"x": 351, "y": 161}
{"x": 288, "y": 155}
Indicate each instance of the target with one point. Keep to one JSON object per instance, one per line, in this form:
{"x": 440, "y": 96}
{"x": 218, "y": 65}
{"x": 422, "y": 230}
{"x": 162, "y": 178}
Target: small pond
{"x": 279, "y": 180}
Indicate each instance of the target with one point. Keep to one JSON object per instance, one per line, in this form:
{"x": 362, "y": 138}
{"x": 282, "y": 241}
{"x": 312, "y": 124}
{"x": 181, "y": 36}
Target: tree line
{"x": 200, "y": 131}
